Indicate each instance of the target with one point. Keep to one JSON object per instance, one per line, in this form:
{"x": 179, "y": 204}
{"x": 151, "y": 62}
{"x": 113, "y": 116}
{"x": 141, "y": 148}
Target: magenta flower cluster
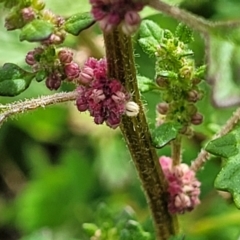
{"x": 110, "y": 13}
{"x": 183, "y": 187}
{"x": 104, "y": 98}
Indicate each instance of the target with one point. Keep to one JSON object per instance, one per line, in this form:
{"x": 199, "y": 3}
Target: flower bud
{"x": 86, "y": 75}
{"x": 30, "y": 58}
{"x": 28, "y": 14}
{"x": 65, "y": 56}
{"x": 38, "y": 4}
{"x": 162, "y": 81}
{"x": 197, "y": 119}
{"x": 162, "y": 108}
{"x": 53, "y": 82}
{"x": 132, "y": 18}
{"x": 193, "y": 96}
{"x": 72, "y": 70}
{"x": 132, "y": 109}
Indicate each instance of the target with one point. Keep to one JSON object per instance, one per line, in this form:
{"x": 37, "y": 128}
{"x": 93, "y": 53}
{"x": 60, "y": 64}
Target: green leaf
{"x": 78, "y": 22}
{"x": 37, "y": 30}
{"x": 150, "y": 36}
{"x": 145, "y": 84}
{"x": 40, "y": 75}
{"x": 225, "y": 146}
{"x": 14, "y": 80}
{"x": 165, "y": 133}
{"x": 184, "y": 33}
{"x": 228, "y": 178}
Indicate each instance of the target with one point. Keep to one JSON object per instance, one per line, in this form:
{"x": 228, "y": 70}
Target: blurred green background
{"x": 57, "y": 166}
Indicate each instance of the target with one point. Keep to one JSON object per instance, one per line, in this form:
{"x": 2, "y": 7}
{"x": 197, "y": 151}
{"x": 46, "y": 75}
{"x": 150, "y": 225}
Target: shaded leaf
{"x": 223, "y": 65}
{"x": 145, "y": 84}
{"x": 228, "y": 178}
{"x": 37, "y": 30}
{"x": 225, "y": 146}
{"x": 165, "y": 133}
{"x": 78, "y": 22}
{"x": 13, "y": 87}
{"x": 13, "y": 79}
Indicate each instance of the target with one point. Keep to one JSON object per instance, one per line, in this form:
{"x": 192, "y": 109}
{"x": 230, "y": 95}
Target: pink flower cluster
{"x": 183, "y": 187}
{"x": 105, "y": 99}
{"x": 110, "y": 13}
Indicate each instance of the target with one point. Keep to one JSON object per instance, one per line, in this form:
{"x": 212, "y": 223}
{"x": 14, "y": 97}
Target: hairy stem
{"x": 202, "y": 157}
{"x": 176, "y": 150}
{"x": 10, "y": 110}
{"x": 193, "y": 21}
{"x": 135, "y": 130}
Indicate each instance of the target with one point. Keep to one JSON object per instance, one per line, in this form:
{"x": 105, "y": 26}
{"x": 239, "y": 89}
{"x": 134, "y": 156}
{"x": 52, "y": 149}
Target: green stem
{"x": 135, "y": 130}
{"x": 176, "y": 151}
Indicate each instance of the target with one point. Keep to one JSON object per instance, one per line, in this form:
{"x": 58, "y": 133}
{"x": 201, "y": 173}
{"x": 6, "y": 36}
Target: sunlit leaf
{"x": 150, "y": 36}
{"x": 165, "y": 133}
{"x": 78, "y": 22}
{"x": 36, "y": 30}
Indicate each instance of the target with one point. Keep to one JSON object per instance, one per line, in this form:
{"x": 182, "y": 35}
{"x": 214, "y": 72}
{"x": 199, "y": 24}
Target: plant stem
{"x": 15, "y": 108}
{"x": 193, "y": 21}
{"x": 135, "y": 130}
{"x": 176, "y": 150}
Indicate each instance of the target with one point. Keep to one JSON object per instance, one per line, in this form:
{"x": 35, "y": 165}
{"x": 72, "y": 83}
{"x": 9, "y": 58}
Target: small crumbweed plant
{"x": 111, "y": 90}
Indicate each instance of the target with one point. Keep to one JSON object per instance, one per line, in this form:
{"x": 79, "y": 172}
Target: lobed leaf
{"x": 150, "y": 36}
{"x": 228, "y": 179}
{"x": 225, "y": 146}
{"x": 145, "y": 84}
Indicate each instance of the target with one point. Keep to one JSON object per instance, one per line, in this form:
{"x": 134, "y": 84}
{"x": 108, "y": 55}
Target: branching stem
{"x": 15, "y": 108}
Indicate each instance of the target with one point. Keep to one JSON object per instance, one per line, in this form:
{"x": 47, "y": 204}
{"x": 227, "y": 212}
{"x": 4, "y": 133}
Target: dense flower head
{"x": 110, "y": 13}
{"x": 183, "y": 187}
{"x": 105, "y": 99}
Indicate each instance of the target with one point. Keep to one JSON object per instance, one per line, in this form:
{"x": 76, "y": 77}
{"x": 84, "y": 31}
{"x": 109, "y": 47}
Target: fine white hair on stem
{"x": 11, "y": 109}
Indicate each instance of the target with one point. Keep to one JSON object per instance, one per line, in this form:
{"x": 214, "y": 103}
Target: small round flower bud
{"x": 30, "y": 59}
{"x": 53, "y": 82}
{"x": 28, "y": 14}
{"x": 65, "y": 56}
{"x": 186, "y": 72}
{"x": 105, "y": 25}
{"x": 193, "y": 96}
{"x": 38, "y": 4}
{"x": 86, "y": 75}
{"x": 197, "y": 119}
{"x": 72, "y": 70}
{"x": 162, "y": 82}
{"x": 132, "y": 109}
{"x": 132, "y": 18}
{"x": 162, "y": 108}
{"x": 129, "y": 29}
